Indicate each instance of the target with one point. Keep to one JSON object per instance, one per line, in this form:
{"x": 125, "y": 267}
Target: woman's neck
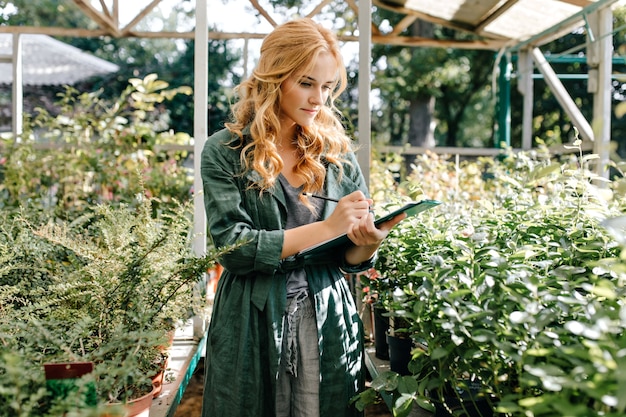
{"x": 287, "y": 149}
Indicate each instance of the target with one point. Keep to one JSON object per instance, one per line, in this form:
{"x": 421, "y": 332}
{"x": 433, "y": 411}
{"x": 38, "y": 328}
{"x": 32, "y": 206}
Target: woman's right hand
{"x": 350, "y": 209}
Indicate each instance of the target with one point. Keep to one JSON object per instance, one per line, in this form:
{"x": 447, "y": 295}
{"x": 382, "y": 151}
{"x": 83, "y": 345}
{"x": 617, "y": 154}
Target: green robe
{"x": 244, "y": 339}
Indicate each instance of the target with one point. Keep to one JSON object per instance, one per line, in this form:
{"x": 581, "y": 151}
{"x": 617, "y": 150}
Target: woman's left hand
{"x": 367, "y": 237}
{"x": 365, "y": 233}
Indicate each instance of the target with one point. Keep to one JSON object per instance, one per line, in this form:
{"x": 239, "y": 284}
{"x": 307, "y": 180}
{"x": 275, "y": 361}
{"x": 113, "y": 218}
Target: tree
{"x": 421, "y": 87}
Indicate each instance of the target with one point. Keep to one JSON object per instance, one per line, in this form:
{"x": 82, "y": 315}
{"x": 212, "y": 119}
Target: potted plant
{"x": 507, "y": 295}
{"x": 101, "y": 268}
{"x": 125, "y": 279}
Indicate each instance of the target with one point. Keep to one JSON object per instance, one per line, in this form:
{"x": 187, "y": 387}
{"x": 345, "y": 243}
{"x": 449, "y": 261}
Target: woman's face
{"x": 303, "y": 95}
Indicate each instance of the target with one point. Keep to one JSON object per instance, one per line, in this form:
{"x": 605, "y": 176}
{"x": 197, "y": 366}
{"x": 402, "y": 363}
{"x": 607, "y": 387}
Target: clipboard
{"x": 412, "y": 208}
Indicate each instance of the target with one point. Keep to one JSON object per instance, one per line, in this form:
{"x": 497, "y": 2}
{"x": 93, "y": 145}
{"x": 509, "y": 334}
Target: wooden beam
{"x": 140, "y": 16}
{"x": 433, "y": 19}
{"x": 492, "y": 15}
{"x": 318, "y": 9}
{"x": 263, "y": 12}
{"x": 492, "y": 45}
{"x": 100, "y": 18}
{"x": 579, "y": 3}
{"x": 89, "y": 33}
{"x": 116, "y": 13}
{"x": 403, "y": 24}
{"x": 105, "y": 8}
{"x": 385, "y": 40}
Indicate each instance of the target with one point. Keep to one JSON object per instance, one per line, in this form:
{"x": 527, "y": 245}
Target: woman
{"x": 285, "y": 338}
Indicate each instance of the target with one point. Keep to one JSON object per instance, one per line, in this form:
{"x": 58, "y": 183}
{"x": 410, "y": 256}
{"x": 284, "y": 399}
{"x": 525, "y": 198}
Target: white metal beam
{"x": 17, "y": 88}
{"x": 600, "y": 61}
{"x": 562, "y": 95}
{"x": 200, "y": 131}
{"x": 525, "y": 87}
{"x": 365, "y": 69}
{"x": 200, "y": 119}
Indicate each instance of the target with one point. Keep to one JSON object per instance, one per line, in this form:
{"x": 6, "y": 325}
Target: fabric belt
{"x": 298, "y": 306}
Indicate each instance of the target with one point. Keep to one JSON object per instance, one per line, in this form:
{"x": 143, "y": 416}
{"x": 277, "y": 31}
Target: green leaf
{"x": 385, "y": 381}
{"x": 407, "y": 385}
{"x": 439, "y": 353}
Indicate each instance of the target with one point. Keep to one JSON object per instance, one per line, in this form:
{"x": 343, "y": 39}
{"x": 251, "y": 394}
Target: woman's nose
{"x": 316, "y": 98}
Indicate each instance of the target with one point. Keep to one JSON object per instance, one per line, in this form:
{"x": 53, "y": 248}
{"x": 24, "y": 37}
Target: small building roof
{"x": 47, "y": 61}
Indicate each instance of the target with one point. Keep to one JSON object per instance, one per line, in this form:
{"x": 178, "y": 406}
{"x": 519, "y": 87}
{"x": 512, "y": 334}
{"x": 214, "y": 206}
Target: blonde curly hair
{"x": 291, "y": 49}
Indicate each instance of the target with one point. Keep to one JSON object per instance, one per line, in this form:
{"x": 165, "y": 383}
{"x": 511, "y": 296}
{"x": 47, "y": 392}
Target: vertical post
{"x": 525, "y": 86}
{"x": 504, "y": 102}
{"x": 600, "y": 60}
{"x": 365, "y": 125}
{"x": 200, "y": 131}
{"x": 18, "y": 93}
{"x": 365, "y": 69}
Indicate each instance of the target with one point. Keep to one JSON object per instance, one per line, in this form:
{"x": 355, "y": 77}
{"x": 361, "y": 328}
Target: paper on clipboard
{"x": 411, "y": 209}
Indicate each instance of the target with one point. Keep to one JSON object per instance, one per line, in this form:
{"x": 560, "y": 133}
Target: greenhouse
{"x": 505, "y": 296}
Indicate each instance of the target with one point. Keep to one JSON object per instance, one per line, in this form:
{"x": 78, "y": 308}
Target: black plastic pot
{"x": 399, "y": 353}
{"x": 381, "y": 326}
{"x": 454, "y": 408}
{"x": 463, "y": 403}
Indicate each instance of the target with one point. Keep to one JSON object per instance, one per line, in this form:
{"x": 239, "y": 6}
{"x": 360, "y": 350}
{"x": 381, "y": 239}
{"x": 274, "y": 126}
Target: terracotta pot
{"x": 158, "y": 379}
{"x": 157, "y": 383}
{"x": 138, "y": 407}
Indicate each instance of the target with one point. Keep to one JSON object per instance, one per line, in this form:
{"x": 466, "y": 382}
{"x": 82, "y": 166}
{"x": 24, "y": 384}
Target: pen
{"x": 321, "y": 197}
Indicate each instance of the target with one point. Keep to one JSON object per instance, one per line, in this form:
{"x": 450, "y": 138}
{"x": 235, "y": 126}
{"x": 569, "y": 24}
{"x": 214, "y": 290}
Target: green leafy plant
{"x": 126, "y": 279}
{"x": 513, "y": 297}
{"x": 97, "y": 151}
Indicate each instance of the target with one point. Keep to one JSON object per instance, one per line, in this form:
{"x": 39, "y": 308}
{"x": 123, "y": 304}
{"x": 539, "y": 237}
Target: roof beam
{"x": 403, "y": 24}
{"x": 263, "y": 12}
{"x": 493, "y": 15}
{"x": 100, "y": 18}
{"x": 562, "y": 96}
{"x": 127, "y": 29}
{"x": 318, "y": 9}
{"x": 105, "y": 8}
{"x": 579, "y": 3}
{"x": 564, "y": 25}
{"x": 386, "y": 4}
{"x": 388, "y": 39}
{"x": 89, "y": 33}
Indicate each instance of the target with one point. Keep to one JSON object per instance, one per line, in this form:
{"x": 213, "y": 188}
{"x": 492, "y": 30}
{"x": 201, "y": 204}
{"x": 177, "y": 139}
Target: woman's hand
{"x": 350, "y": 210}
{"x": 367, "y": 237}
{"x": 365, "y": 233}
